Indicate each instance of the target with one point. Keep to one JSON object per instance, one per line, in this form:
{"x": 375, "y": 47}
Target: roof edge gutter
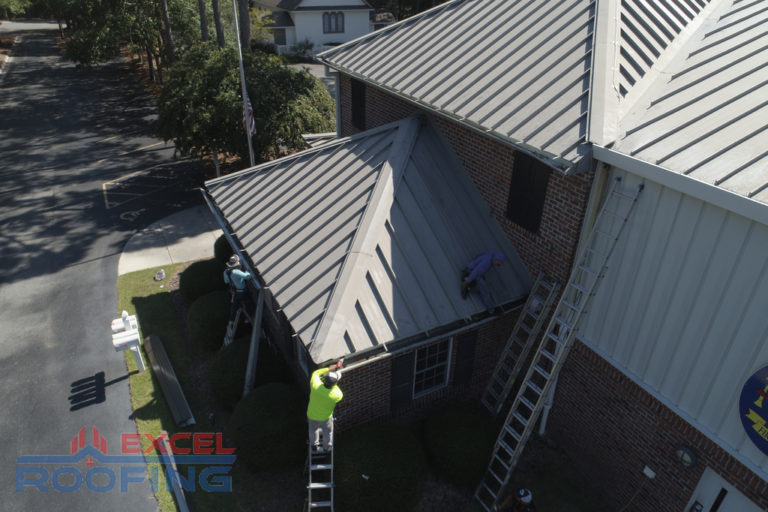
{"x": 744, "y": 206}
{"x": 560, "y": 165}
{"x": 385, "y": 350}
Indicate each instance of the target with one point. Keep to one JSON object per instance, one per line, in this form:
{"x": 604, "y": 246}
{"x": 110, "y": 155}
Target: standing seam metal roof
{"x": 361, "y": 241}
{"x": 517, "y": 69}
{"x": 707, "y": 116}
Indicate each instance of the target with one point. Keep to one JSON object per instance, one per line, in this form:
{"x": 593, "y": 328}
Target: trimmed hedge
{"x": 222, "y": 251}
{"x": 379, "y": 467}
{"x": 200, "y": 278}
{"x": 459, "y": 440}
{"x": 207, "y": 320}
{"x": 227, "y": 370}
{"x": 269, "y": 428}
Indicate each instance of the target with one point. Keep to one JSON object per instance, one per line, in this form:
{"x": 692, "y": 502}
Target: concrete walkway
{"x": 184, "y": 236}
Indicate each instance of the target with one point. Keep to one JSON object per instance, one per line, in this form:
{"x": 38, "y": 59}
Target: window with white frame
{"x": 333, "y": 22}
{"x": 431, "y": 367}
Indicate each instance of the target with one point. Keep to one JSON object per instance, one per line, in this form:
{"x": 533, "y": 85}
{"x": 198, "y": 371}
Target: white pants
{"x": 324, "y": 427}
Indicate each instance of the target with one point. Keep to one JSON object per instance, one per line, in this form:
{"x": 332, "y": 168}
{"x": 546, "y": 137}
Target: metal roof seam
{"x": 744, "y": 166}
{"x": 724, "y": 150}
{"x": 739, "y": 9}
{"x": 508, "y": 50}
{"x": 759, "y": 25}
{"x": 394, "y": 279}
{"x": 708, "y": 60}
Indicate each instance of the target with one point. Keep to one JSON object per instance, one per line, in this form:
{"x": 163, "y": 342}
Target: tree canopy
{"x": 200, "y": 106}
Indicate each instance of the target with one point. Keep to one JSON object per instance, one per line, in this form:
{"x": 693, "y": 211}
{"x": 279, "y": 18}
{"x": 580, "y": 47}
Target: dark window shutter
{"x": 465, "y": 358}
{"x": 358, "y": 104}
{"x": 401, "y": 382}
{"x": 527, "y": 191}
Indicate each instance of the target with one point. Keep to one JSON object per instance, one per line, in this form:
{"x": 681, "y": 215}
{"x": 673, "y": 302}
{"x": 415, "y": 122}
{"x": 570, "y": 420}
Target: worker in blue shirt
{"x": 473, "y": 275}
{"x": 236, "y": 279}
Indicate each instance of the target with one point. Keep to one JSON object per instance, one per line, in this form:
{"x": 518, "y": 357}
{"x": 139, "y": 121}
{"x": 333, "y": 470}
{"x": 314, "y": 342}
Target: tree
{"x": 245, "y": 25}
{"x": 12, "y": 8}
{"x": 200, "y": 105}
{"x": 203, "y": 21}
{"x": 217, "y": 23}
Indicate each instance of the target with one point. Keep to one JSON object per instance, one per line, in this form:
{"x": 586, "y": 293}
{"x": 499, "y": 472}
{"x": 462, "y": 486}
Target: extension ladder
{"x": 320, "y": 488}
{"x": 232, "y": 328}
{"x": 555, "y": 343}
{"x": 519, "y": 344}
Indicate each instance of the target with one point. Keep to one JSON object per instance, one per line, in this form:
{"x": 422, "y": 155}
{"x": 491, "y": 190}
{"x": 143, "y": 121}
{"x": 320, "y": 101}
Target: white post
{"x": 242, "y": 78}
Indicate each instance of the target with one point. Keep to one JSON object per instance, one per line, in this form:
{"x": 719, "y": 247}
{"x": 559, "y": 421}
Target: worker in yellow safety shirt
{"x": 324, "y": 394}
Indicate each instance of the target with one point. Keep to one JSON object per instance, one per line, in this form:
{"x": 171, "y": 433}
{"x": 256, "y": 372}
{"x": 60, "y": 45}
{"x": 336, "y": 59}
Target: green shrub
{"x": 227, "y": 370}
{"x": 379, "y": 467}
{"x": 200, "y": 278}
{"x": 459, "y": 440}
{"x": 269, "y": 428}
{"x": 222, "y": 251}
{"x": 207, "y": 320}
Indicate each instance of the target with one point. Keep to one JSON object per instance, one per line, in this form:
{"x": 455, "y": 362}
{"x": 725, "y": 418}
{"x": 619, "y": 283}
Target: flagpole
{"x": 242, "y": 79}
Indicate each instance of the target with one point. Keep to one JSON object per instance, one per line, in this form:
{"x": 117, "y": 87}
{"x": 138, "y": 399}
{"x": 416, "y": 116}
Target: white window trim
{"x": 447, "y": 370}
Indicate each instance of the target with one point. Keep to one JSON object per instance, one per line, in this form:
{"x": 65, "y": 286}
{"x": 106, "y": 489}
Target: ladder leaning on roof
{"x": 522, "y": 338}
{"x": 555, "y": 343}
{"x": 320, "y": 488}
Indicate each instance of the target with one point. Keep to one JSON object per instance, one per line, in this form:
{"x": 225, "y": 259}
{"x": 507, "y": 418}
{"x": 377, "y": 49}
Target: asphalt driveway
{"x": 67, "y": 136}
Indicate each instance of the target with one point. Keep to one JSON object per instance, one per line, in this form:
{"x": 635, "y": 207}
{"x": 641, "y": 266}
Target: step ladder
{"x": 555, "y": 343}
{"x": 232, "y": 328}
{"x": 320, "y": 487}
{"x": 518, "y": 346}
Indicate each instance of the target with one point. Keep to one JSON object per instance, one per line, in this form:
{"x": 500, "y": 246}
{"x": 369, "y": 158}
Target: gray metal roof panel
{"x": 470, "y": 59}
{"x": 361, "y": 240}
{"x": 707, "y": 115}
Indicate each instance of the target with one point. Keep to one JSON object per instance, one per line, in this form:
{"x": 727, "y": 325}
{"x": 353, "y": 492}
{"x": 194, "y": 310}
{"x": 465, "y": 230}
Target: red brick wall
{"x": 612, "y": 428}
{"x": 367, "y": 388}
{"x": 489, "y": 163}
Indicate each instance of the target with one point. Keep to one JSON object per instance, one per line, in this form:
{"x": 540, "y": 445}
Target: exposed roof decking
{"x": 519, "y": 69}
{"x": 710, "y": 119}
{"x": 361, "y": 240}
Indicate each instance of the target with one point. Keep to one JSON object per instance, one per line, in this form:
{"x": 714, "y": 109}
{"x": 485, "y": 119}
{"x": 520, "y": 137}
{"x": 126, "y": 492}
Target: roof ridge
{"x": 366, "y": 233}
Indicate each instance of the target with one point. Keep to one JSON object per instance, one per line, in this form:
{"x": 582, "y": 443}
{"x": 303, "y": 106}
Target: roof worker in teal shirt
{"x": 236, "y": 279}
{"x": 324, "y": 394}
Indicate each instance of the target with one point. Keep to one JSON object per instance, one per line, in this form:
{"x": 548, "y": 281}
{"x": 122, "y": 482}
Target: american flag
{"x": 249, "y": 122}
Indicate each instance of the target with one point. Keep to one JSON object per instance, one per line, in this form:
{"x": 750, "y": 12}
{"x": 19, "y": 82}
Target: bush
{"x": 222, "y": 251}
{"x": 392, "y": 461}
{"x": 269, "y": 428}
{"x": 200, "y": 278}
{"x": 207, "y": 320}
{"x": 227, "y": 370}
{"x": 459, "y": 440}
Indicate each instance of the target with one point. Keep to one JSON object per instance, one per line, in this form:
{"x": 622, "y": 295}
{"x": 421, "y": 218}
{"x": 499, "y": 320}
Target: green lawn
{"x": 151, "y": 301}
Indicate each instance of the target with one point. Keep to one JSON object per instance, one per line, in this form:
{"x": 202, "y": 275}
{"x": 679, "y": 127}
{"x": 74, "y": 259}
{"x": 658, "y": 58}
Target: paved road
{"x": 79, "y": 172}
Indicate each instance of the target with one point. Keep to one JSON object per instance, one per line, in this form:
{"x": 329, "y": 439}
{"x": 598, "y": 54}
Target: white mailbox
{"x": 125, "y": 336}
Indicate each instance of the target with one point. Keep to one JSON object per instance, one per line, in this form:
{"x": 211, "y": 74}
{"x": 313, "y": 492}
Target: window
{"x": 431, "y": 370}
{"x": 279, "y": 36}
{"x": 358, "y": 104}
{"x": 527, "y": 191}
{"x": 333, "y": 22}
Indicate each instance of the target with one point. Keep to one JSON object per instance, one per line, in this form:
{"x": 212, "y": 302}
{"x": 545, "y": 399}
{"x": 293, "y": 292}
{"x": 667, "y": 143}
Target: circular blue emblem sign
{"x": 753, "y": 408}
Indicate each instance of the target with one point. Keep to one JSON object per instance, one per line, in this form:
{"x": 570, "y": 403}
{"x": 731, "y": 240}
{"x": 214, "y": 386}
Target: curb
{"x": 6, "y": 63}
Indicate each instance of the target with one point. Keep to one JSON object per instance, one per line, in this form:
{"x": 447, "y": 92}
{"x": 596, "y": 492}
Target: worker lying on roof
{"x": 473, "y": 275}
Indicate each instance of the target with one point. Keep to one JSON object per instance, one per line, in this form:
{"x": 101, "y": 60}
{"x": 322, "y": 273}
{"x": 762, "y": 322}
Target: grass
{"x": 151, "y": 301}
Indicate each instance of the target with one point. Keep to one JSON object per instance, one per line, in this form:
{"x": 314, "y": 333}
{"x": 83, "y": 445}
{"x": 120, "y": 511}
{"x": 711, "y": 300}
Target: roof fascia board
{"x": 604, "y": 94}
{"x": 560, "y": 165}
{"x": 376, "y": 212}
{"x": 673, "y": 52}
{"x": 749, "y": 208}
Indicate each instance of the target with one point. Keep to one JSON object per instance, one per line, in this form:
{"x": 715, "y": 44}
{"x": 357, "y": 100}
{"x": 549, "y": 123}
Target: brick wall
{"x": 612, "y": 428}
{"x": 489, "y": 163}
{"x": 367, "y": 388}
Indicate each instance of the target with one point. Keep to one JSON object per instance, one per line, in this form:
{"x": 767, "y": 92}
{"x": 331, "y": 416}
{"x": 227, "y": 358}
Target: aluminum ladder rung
{"x": 321, "y": 467}
{"x": 566, "y": 332}
{"x": 495, "y": 476}
{"x": 321, "y": 485}
{"x": 318, "y": 504}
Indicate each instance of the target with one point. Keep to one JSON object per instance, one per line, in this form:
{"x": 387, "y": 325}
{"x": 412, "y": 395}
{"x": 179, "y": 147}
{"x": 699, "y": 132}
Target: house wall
{"x": 596, "y": 405}
{"x": 309, "y": 25}
{"x": 682, "y": 309}
{"x": 367, "y": 389}
{"x": 489, "y": 163}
